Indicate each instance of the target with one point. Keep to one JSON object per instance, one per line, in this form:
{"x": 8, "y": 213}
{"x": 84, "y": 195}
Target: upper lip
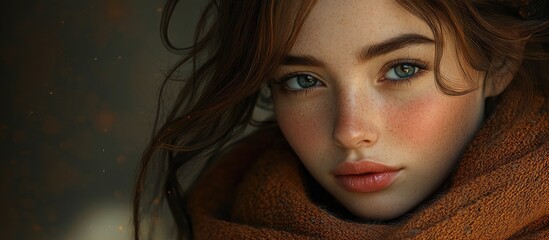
{"x": 361, "y": 167}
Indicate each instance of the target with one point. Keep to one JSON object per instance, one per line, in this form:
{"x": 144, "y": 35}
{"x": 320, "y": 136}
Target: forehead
{"x": 335, "y": 25}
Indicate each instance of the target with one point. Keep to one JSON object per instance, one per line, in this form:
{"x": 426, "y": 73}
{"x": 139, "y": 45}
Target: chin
{"x": 380, "y": 212}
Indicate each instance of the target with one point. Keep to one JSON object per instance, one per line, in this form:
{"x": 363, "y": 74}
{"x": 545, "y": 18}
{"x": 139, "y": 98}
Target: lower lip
{"x": 368, "y": 182}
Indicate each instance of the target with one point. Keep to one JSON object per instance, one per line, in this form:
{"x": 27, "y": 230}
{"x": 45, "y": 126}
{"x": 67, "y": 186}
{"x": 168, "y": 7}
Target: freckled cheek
{"x": 426, "y": 120}
{"x": 303, "y": 125}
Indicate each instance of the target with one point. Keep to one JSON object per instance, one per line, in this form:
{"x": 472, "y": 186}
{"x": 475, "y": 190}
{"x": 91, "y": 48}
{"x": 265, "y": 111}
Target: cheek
{"x": 412, "y": 121}
{"x": 302, "y": 126}
{"x": 434, "y": 121}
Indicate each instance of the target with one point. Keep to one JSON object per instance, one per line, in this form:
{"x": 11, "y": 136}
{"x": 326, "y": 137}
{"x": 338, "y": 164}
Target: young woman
{"x": 392, "y": 119}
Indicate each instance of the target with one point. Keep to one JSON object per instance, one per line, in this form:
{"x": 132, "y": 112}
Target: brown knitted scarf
{"x": 500, "y": 189}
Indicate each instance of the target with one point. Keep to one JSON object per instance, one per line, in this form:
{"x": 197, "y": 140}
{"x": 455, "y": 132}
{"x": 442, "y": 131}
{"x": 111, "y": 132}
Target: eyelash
{"x": 289, "y": 76}
{"x": 421, "y": 65}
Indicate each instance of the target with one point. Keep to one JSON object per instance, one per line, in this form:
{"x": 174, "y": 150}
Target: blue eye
{"x": 300, "y": 82}
{"x": 402, "y": 71}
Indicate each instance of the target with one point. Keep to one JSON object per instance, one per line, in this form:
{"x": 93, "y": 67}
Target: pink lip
{"x": 364, "y": 176}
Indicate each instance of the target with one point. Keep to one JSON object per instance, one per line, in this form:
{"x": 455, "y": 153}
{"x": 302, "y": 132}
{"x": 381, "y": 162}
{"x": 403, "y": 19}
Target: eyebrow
{"x": 393, "y": 44}
{"x": 367, "y": 52}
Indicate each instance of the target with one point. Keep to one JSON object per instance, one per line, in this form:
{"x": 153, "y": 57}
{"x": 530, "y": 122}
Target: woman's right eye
{"x": 301, "y": 82}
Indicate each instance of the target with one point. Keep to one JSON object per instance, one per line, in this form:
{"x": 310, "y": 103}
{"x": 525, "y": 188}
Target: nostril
{"x": 354, "y": 138}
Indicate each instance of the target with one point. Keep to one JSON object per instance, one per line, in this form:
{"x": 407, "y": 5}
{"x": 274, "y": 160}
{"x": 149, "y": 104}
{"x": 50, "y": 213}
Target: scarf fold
{"x": 499, "y": 189}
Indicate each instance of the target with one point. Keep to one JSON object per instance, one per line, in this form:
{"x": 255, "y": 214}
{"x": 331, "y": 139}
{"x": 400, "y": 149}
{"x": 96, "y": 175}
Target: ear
{"x": 498, "y": 79}
{"x": 503, "y": 71}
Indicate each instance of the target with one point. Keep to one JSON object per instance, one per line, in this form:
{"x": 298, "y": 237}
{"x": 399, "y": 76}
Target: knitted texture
{"x": 499, "y": 190}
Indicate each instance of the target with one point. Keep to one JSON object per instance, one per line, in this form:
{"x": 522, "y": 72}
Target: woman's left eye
{"x": 402, "y": 71}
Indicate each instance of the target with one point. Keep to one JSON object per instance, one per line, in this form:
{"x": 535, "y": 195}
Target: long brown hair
{"x": 238, "y": 44}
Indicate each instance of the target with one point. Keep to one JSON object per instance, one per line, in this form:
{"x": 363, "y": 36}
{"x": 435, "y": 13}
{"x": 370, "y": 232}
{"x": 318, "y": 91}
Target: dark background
{"x": 78, "y": 87}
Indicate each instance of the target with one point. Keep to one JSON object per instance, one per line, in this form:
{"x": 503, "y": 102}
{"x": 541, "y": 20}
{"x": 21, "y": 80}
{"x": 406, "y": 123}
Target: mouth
{"x": 364, "y": 176}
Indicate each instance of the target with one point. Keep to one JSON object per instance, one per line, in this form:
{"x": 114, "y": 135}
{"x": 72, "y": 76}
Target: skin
{"x": 355, "y": 111}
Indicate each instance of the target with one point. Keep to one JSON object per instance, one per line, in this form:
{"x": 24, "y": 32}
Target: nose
{"x": 354, "y": 125}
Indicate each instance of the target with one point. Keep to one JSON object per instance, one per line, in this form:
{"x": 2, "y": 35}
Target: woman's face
{"x": 357, "y": 100}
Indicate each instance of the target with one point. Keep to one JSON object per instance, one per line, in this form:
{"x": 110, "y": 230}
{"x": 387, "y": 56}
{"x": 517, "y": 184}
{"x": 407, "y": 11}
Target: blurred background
{"x": 78, "y": 86}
